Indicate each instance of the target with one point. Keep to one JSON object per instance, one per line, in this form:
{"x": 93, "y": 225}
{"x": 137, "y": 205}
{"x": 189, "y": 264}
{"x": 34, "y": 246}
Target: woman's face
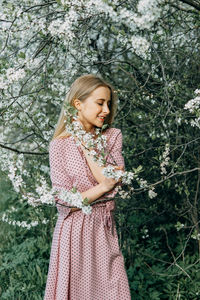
{"x": 93, "y": 111}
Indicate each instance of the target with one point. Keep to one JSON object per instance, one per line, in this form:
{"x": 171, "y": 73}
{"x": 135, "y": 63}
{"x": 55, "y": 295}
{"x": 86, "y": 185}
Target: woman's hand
{"x": 106, "y": 185}
{"x": 119, "y": 168}
{"x": 74, "y": 209}
{"x": 109, "y": 183}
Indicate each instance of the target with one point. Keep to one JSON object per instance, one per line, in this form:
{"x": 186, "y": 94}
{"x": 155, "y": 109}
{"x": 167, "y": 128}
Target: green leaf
{"x": 86, "y": 201}
{"x": 39, "y": 271}
{"x": 21, "y": 55}
{"x": 74, "y": 189}
{"x": 104, "y": 126}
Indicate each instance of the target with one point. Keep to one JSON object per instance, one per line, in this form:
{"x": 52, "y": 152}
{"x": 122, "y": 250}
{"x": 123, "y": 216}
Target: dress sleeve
{"x": 59, "y": 177}
{"x": 114, "y": 156}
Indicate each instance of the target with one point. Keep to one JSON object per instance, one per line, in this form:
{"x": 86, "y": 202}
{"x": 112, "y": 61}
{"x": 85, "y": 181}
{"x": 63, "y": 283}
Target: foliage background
{"x": 149, "y": 51}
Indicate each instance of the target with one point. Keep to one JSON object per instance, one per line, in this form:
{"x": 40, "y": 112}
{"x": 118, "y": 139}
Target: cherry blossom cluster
{"x": 165, "y": 160}
{"x": 127, "y": 178}
{"x": 124, "y": 194}
{"x": 151, "y": 193}
{"x": 11, "y": 76}
{"x": 88, "y": 140}
{"x": 146, "y": 14}
{"x": 111, "y": 172}
{"x": 44, "y": 195}
{"x": 23, "y": 224}
{"x": 196, "y": 235}
{"x": 193, "y": 106}
{"x": 149, "y": 11}
{"x": 143, "y": 184}
{"x": 14, "y": 165}
{"x": 74, "y": 198}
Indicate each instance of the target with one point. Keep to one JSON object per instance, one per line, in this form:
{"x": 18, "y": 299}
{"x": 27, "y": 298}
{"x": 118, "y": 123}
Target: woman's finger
{"x": 119, "y": 167}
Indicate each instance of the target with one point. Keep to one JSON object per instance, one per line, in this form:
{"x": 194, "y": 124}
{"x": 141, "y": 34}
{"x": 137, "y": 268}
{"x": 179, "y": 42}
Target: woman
{"x": 85, "y": 261}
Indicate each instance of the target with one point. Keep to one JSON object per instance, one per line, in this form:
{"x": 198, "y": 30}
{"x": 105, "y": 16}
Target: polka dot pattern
{"x": 85, "y": 260}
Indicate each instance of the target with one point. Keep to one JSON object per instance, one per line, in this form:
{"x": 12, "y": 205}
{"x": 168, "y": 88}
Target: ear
{"x": 77, "y": 104}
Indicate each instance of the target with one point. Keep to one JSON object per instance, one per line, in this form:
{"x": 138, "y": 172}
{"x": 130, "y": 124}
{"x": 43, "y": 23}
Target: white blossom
{"x": 193, "y": 106}
{"x": 152, "y": 194}
{"x": 23, "y": 224}
{"x": 143, "y": 183}
{"x": 165, "y": 160}
{"x": 15, "y": 75}
{"x": 197, "y": 91}
{"x": 140, "y": 45}
{"x": 196, "y": 235}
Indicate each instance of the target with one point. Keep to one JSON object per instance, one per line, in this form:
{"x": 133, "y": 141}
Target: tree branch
{"x": 192, "y": 3}
{"x": 23, "y": 152}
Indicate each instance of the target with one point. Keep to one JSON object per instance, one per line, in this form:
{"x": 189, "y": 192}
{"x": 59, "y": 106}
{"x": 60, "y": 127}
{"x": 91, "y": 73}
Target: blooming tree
{"x": 142, "y": 47}
{"x": 44, "y": 46}
{"x": 149, "y": 51}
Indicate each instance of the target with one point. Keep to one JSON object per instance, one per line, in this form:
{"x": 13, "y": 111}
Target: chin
{"x": 99, "y": 126}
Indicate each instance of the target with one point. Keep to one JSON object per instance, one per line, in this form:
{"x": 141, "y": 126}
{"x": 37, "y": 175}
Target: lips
{"x": 101, "y": 118}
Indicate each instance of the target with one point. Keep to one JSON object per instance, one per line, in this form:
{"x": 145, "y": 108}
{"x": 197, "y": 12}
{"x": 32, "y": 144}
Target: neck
{"x": 87, "y": 127}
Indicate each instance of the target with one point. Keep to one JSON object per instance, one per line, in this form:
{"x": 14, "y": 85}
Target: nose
{"x": 106, "y": 109}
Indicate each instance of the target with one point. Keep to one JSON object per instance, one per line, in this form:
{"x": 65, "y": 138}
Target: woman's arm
{"x": 115, "y": 152}
{"x": 60, "y": 178}
{"x": 95, "y": 168}
{"x": 98, "y": 190}
{"x": 105, "y": 184}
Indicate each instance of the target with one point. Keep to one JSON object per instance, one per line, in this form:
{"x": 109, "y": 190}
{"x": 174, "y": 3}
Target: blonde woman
{"x": 85, "y": 261}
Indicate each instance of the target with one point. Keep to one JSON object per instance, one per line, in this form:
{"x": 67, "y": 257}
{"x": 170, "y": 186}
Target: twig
{"x": 174, "y": 258}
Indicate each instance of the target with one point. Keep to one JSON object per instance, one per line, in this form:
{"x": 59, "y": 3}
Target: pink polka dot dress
{"x": 85, "y": 260}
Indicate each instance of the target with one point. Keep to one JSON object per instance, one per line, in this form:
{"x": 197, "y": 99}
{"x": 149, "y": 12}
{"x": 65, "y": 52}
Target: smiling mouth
{"x": 101, "y": 118}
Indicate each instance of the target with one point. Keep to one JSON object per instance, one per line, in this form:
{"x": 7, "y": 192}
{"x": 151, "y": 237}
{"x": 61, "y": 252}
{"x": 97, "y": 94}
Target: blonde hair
{"x": 81, "y": 88}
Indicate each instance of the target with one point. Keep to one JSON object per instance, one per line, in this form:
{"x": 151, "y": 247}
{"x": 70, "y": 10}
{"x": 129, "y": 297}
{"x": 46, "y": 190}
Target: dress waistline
{"x": 109, "y": 205}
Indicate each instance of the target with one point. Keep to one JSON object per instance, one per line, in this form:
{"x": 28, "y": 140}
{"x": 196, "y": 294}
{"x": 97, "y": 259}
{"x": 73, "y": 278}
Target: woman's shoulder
{"x": 59, "y": 143}
{"x": 113, "y": 135}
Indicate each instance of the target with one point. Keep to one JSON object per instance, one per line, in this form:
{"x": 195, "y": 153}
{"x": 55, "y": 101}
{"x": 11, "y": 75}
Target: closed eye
{"x": 102, "y": 104}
